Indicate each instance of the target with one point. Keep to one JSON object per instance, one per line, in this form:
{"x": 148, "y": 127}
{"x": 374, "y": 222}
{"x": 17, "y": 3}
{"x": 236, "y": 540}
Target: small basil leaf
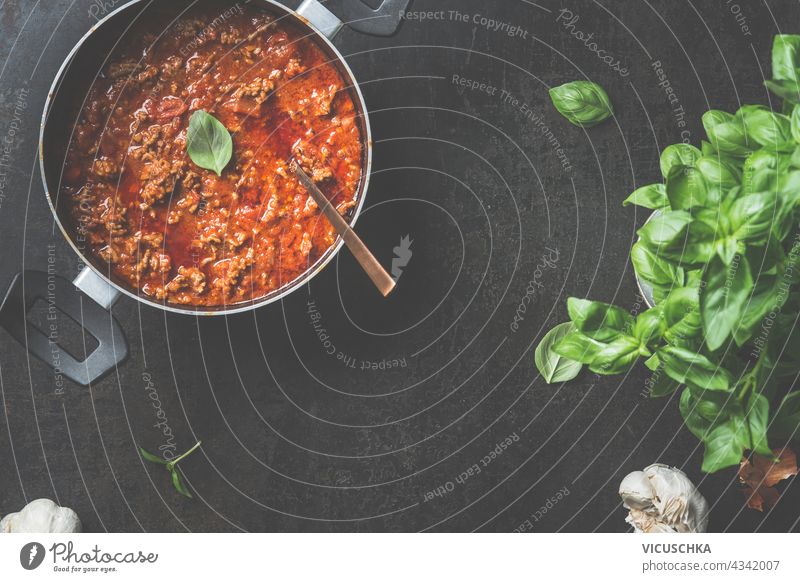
{"x": 679, "y": 154}
{"x": 686, "y": 366}
{"x": 208, "y": 142}
{"x": 552, "y": 366}
{"x": 151, "y": 457}
{"x": 582, "y": 103}
{"x": 652, "y": 196}
{"x": 723, "y": 298}
{"x": 598, "y": 320}
{"x": 653, "y": 363}
{"x": 180, "y": 486}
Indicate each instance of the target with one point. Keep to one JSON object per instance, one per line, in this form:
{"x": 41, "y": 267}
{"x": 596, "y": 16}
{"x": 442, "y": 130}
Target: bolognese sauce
{"x": 178, "y": 233}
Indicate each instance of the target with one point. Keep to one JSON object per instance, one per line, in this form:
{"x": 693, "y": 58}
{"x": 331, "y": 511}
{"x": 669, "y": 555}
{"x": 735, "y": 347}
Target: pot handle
{"x": 86, "y": 301}
{"x": 360, "y": 15}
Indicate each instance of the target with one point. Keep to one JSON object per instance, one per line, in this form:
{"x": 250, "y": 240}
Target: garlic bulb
{"x": 662, "y": 499}
{"x": 41, "y": 516}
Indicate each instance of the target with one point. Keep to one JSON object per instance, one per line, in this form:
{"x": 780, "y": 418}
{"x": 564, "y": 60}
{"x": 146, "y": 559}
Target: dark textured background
{"x": 295, "y": 440}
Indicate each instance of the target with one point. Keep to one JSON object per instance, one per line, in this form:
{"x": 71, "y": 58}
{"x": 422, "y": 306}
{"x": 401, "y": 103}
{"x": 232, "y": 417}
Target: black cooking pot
{"x": 89, "y": 297}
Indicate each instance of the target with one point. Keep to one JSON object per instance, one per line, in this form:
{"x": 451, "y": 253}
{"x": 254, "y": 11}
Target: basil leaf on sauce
{"x": 208, "y": 143}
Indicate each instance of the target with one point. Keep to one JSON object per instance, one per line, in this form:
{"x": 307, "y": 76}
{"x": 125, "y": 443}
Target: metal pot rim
{"x": 278, "y": 294}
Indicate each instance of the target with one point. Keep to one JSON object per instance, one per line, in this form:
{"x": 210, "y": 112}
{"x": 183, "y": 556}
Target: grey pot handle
{"x": 383, "y": 20}
{"x": 320, "y": 17}
{"x": 86, "y": 301}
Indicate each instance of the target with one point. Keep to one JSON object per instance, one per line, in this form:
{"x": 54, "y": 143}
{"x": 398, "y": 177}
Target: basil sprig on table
{"x": 208, "y": 143}
{"x": 172, "y": 468}
{"x": 582, "y": 103}
{"x": 722, "y": 255}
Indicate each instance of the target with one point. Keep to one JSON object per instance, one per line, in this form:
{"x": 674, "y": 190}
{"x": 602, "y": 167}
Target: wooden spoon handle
{"x": 383, "y": 281}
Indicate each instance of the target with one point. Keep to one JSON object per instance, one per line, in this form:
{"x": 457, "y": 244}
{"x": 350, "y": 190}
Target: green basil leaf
{"x": 788, "y": 90}
{"x": 720, "y": 175}
{"x": 752, "y": 216}
{"x": 763, "y": 170}
{"x": 765, "y": 127}
{"x": 578, "y": 347}
{"x": 208, "y": 142}
{"x": 598, "y": 320}
{"x": 652, "y": 196}
{"x": 649, "y": 326}
{"x": 151, "y": 457}
{"x": 723, "y": 448}
{"x": 686, "y": 366}
{"x": 616, "y": 357}
{"x": 767, "y": 262}
{"x": 723, "y": 298}
{"x": 180, "y": 486}
{"x": 787, "y": 418}
{"x": 726, "y": 133}
{"x": 552, "y": 366}
{"x": 795, "y": 119}
{"x": 726, "y": 249}
{"x": 679, "y": 154}
{"x": 682, "y": 318}
{"x": 785, "y": 53}
{"x": 582, "y": 103}
{"x": 653, "y": 363}
{"x": 703, "y": 410}
{"x": 686, "y": 188}
{"x": 654, "y": 270}
{"x": 679, "y": 238}
{"x": 757, "y": 415}
{"x": 665, "y": 228}
{"x": 697, "y": 424}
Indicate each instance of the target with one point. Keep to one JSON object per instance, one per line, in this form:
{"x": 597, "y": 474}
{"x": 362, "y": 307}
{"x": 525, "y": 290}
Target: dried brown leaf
{"x": 760, "y": 474}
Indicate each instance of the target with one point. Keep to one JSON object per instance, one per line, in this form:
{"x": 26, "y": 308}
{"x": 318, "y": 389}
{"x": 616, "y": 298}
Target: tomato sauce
{"x": 178, "y": 233}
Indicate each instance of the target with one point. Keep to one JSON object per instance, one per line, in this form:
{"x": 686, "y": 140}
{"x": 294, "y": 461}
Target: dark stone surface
{"x": 293, "y": 438}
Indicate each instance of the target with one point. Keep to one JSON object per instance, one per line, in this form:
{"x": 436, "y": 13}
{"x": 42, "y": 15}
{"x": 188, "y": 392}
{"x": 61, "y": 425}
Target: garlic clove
{"x": 41, "y": 516}
{"x": 636, "y": 491}
{"x": 663, "y": 499}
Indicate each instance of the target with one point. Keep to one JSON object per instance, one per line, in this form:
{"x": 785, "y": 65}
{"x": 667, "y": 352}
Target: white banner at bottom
{"x": 398, "y": 557}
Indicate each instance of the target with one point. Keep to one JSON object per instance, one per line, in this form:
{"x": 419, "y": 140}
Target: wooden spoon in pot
{"x": 383, "y": 281}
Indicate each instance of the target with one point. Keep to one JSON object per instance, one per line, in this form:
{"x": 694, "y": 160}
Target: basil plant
{"x": 721, "y": 253}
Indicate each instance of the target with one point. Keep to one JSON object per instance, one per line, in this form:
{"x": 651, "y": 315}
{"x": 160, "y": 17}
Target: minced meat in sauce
{"x": 181, "y": 234}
